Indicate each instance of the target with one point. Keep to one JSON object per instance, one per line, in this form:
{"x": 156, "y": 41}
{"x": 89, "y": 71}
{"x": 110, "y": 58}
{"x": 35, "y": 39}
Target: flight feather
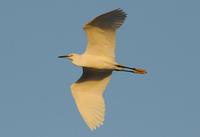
{"x": 101, "y": 33}
{"x": 88, "y": 95}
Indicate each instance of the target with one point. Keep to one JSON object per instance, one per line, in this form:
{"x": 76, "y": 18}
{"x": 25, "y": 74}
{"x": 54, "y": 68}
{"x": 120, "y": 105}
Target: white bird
{"x": 98, "y": 63}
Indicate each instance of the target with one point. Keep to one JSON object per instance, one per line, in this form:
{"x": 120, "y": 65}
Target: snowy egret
{"x": 98, "y": 63}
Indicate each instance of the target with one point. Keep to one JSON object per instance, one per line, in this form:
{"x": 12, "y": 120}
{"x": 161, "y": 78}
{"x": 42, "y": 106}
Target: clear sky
{"x": 160, "y": 36}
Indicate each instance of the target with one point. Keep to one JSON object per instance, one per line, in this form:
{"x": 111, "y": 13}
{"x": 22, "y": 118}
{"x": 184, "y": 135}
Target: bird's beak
{"x": 139, "y": 71}
{"x": 65, "y": 56}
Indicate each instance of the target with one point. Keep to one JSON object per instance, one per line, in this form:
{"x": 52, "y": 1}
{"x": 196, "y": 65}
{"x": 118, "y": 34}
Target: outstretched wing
{"x": 88, "y": 95}
{"x": 101, "y": 33}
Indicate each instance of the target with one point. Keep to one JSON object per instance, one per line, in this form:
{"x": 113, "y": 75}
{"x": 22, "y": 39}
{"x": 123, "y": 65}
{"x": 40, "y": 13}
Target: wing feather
{"x": 110, "y": 20}
{"x": 101, "y": 33}
{"x": 88, "y": 96}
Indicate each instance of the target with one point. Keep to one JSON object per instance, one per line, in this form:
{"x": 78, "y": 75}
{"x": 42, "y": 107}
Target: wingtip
{"x": 95, "y": 127}
{"x": 122, "y": 11}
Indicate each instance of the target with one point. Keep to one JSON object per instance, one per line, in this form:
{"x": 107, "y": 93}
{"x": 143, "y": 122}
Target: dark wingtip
{"x": 122, "y": 11}
{"x": 109, "y": 20}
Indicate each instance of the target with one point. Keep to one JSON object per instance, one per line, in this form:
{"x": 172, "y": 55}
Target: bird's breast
{"x": 96, "y": 62}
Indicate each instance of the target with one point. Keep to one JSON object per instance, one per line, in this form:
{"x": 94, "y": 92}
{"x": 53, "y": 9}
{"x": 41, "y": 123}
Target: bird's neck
{"x": 78, "y": 60}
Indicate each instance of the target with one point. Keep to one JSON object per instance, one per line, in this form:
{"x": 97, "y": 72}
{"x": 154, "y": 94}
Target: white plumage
{"x": 98, "y": 62}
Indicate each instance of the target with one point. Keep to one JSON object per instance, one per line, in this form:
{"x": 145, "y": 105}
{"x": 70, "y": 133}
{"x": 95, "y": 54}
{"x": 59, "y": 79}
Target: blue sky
{"x": 160, "y": 36}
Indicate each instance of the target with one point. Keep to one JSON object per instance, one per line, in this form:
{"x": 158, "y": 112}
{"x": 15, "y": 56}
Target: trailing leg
{"x": 129, "y": 69}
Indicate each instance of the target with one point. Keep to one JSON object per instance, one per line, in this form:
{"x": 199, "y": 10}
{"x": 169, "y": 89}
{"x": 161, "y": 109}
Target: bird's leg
{"x": 129, "y": 69}
{"x": 123, "y": 70}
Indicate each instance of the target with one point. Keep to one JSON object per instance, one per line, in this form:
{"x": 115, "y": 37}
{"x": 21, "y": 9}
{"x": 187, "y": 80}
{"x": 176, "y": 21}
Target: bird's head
{"x": 71, "y": 56}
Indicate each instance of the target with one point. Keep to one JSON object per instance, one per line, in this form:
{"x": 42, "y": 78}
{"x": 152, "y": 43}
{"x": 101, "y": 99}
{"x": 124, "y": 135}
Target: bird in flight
{"x": 98, "y": 63}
